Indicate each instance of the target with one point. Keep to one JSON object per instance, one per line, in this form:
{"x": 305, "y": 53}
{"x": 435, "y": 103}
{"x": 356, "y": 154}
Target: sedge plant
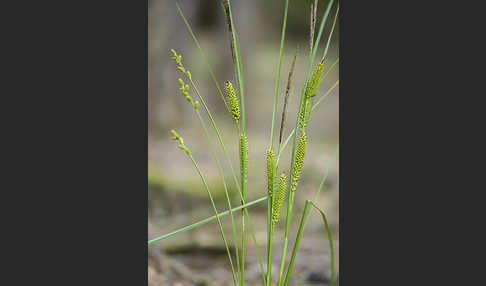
{"x": 280, "y": 186}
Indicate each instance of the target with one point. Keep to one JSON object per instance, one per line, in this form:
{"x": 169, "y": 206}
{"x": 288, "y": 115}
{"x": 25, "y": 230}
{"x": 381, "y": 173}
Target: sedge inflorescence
{"x": 244, "y": 155}
{"x": 233, "y": 101}
{"x": 310, "y": 91}
{"x": 299, "y": 161}
{"x": 270, "y": 170}
{"x": 183, "y": 87}
{"x": 181, "y": 146}
{"x": 280, "y": 196}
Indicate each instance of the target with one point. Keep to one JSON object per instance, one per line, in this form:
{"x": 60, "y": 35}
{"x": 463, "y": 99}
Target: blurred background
{"x": 177, "y": 197}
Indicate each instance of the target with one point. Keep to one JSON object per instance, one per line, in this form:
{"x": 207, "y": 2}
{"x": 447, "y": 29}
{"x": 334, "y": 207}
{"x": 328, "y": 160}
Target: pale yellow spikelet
{"x": 233, "y": 101}
{"x": 176, "y": 136}
{"x": 270, "y": 170}
{"x": 183, "y": 147}
{"x": 280, "y": 196}
{"x": 184, "y": 88}
{"x": 177, "y": 58}
{"x": 299, "y": 161}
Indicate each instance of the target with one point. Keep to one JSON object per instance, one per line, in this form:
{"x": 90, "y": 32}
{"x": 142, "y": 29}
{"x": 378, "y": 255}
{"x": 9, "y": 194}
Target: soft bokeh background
{"x": 176, "y": 195}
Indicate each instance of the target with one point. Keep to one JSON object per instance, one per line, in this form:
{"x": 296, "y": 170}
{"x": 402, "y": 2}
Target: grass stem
{"x": 204, "y": 221}
{"x": 220, "y": 170}
{"x": 217, "y": 217}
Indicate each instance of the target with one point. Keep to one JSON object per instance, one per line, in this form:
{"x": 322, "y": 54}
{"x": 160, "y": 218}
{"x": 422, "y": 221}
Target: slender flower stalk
{"x": 241, "y": 133}
{"x": 270, "y": 144}
{"x": 188, "y": 152}
{"x": 292, "y": 162}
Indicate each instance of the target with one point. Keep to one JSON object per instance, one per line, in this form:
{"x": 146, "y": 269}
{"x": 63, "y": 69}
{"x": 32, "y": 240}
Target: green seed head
{"x": 233, "y": 101}
{"x": 244, "y": 155}
{"x": 305, "y": 113}
{"x": 183, "y": 147}
{"x": 184, "y": 88}
{"x": 299, "y": 161}
{"x": 270, "y": 170}
{"x": 196, "y": 105}
{"x": 314, "y": 81}
{"x": 280, "y": 196}
{"x": 177, "y": 58}
{"x": 176, "y": 136}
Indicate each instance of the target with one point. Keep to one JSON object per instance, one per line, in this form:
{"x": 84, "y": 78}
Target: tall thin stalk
{"x": 303, "y": 221}
{"x": 220, "y": 170}
{"x": 291, "y": 195}
{"x": 277, "y": 79}
{"x": 270, "y": 203}
{"x": 219, "y": 220}
{"x": 241, "y": 133}
{"x": 204, "y": 221}
{"x": 189, "y": 154}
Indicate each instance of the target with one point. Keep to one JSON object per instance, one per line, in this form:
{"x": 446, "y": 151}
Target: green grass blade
{"x": 324, "y": 178}
{"x": 259, "y": 256}
{"x": 329, "y": 70}
{"x": 329, "y": 238}
{"x": 277, "y": 80}
{"x": 290, "y": 204}
{"x": 330, "y": 34}
{"x": 303, "y": 221}
{"x": 217, "y": 216}
{"x": 325, "y": 95}
{"x": 204, "y": 221}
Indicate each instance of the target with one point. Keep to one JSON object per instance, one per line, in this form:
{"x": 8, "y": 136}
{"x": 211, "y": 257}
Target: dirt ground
{"x": 198, "y": 257}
